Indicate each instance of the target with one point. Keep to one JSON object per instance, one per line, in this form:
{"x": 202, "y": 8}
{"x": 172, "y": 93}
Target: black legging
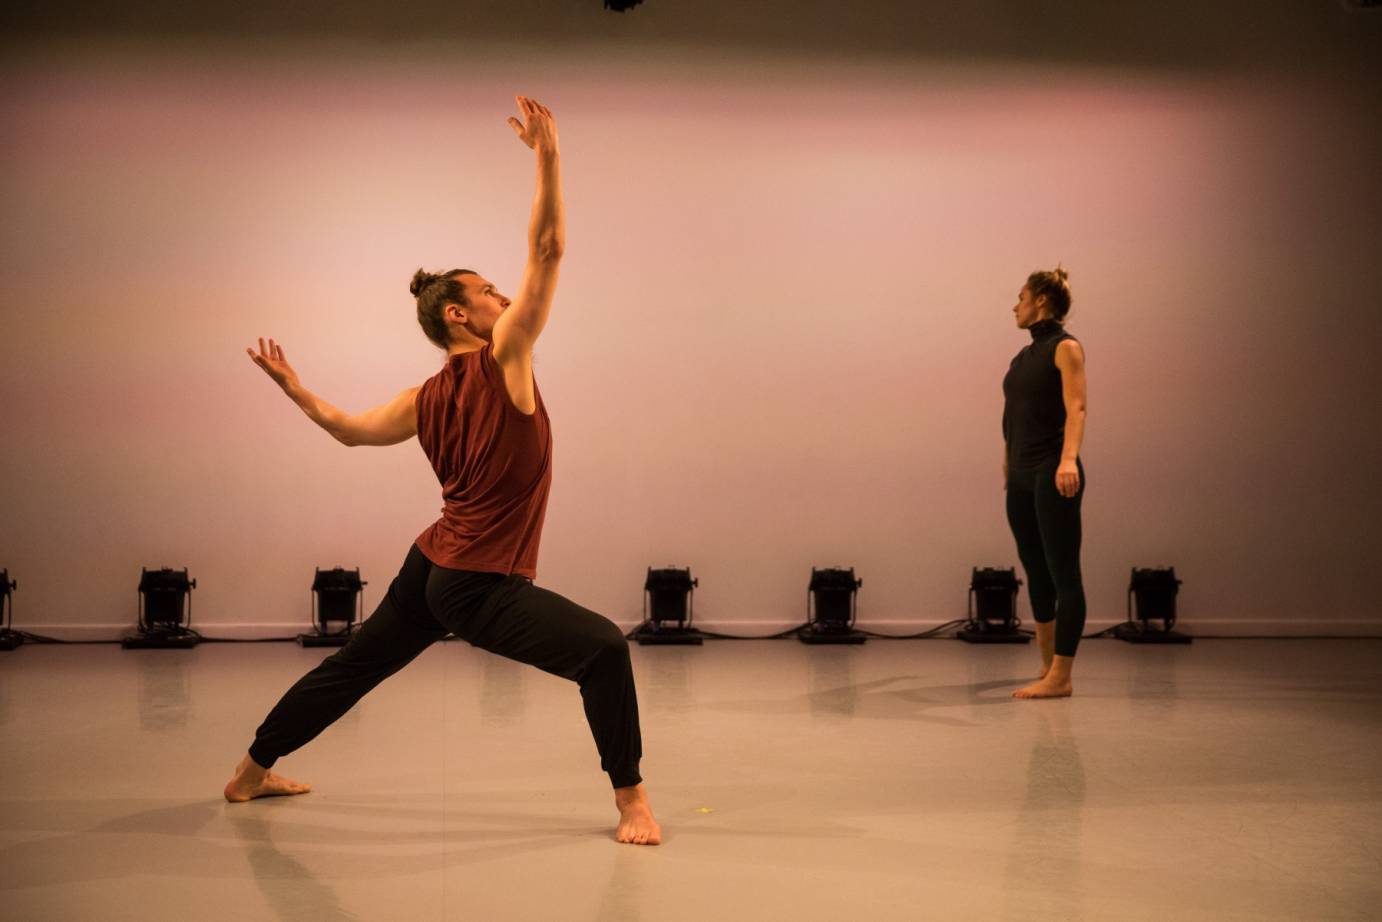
{"x": 1047, "y": 528}
{"x": 507, "y": 615}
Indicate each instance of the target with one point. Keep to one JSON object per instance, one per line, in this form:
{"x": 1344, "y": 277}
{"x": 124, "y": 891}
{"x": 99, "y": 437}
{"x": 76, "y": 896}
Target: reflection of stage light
{"x": 9, "y": 639}
{"x": 668, "y": 608}
{"x": 1155, "y": 592}
{"x": 993, "y": 607}
{"x": 165, "y": 611}
{"x": 336, "y": 601}
{"x": 830, "y": 607}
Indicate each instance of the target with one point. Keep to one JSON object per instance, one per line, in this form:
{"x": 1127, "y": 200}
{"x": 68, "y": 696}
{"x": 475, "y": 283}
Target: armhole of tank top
{"x": 495, "y": 375}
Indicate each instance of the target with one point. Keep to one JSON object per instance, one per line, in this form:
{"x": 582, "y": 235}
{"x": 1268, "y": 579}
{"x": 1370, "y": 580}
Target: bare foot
{"x": 636, "y": 823}
{"x": 1045, "y": 670}
{"x": 251, "y": 781}
{"x": 1046, "y": 688}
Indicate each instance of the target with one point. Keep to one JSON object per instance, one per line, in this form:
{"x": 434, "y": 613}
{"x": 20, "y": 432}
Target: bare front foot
{"x": 1046, "y": 687}
{"x": 251, "y": 781}
{"x": 636, "y": 823}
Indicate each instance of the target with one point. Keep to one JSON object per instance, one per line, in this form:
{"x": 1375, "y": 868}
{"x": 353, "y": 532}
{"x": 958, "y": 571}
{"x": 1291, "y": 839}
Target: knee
{"x": 609, "y": 641}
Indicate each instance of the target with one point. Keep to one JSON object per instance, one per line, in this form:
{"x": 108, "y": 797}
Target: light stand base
{"x": 814, "y": 635}
{"x": 646, "y": 634}
{"x": 971, "y": 634}
{"x": 10, "y": 639}
{"x": 1135, "y": 632}
{"x": 318, "y": 639}
{"x": 161, "y": 640}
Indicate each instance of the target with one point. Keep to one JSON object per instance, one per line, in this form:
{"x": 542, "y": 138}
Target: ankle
{"x": 1060, "y": 668}
{"x": 628, "y": 797}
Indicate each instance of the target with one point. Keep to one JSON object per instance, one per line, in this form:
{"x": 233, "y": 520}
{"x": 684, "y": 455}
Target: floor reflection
{"x": 502, "y": 698}
{"x": 830, "y": 682}
{"x": 289, "y": 887}
{"x": 164, "y": 702}
{"x": 1044, "y": 862}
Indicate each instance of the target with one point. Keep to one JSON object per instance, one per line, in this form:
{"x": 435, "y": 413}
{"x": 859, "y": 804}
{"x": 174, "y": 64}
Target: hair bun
{"x": 1061, "y": 275}
{"x": 421, "y": 279}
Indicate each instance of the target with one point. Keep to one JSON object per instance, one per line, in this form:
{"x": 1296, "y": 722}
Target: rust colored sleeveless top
{"x": 495, "y": 467}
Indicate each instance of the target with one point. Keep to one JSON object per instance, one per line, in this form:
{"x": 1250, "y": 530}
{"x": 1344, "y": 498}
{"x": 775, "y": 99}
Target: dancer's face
{"x": 484, "y": 307}
{"x": 1029, "y": 310}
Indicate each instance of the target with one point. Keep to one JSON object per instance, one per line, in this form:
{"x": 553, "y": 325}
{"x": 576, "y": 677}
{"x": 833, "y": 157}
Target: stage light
{"x": 336, "y": 600}
{"x": 993, "y": 607}
{"x": 1155, "y": 592}
{"x": 8, "y": 639}
{"x": 668, "y": 608}
{"x": 830, "y": 607}
{"x": 164, "y": 619}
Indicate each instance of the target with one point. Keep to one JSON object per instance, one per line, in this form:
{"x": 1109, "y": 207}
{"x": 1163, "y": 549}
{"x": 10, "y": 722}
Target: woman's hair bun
{"x": 1061, "y": 274}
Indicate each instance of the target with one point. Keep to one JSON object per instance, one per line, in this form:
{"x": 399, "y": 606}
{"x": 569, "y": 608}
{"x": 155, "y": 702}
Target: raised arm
{"x": 518, "y": 328}
{"x": 388, "y": 424}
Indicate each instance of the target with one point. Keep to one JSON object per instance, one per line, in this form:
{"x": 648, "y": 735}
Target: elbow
{"x": 548, "y": 250}
{"x": 346, "y": 439}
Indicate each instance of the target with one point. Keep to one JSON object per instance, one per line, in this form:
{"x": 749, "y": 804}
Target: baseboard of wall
{"x": 1224, "y": 627}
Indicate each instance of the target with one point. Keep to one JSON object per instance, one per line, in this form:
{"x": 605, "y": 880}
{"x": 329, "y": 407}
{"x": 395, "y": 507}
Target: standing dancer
{"x": 1043, "y": 426}
{"x": 482, "y": 424}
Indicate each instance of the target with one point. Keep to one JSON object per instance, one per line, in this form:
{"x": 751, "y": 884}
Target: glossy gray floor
{"x": 1227, "y": 780}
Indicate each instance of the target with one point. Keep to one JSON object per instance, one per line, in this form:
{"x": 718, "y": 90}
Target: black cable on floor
{"x": 920, "y": 635}
{"x": 790, "y": 632}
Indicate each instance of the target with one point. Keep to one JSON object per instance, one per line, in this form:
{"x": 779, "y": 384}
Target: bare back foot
{"x": 251, "y": 781}
{"x": 636, "y": 823}
{"x": 1046, "y": 688}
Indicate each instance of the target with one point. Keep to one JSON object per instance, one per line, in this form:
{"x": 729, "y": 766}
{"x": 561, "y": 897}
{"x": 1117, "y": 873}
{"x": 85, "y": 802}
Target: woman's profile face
{"x": 1029, "y": 310}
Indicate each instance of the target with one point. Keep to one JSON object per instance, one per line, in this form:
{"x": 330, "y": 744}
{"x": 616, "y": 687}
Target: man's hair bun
{"x": 421, "y": 279}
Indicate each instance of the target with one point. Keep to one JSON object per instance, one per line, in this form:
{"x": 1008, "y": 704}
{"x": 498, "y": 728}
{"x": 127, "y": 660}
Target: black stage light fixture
{"x": 620, "y": 6}
{"x": 165, "y": 611}
{"x": 337, "y": 607}
{"x": 993, "y": 607}
{"x": 9, "y": 639}
{"x": 1155, "y": 592}
{"x": 668, "y": 607}
{"x": 830, "y": 607}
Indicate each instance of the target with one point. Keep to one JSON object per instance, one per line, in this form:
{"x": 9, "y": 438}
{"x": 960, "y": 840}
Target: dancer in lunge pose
{"x": 482, "y": 423}
{"x": 1043, "y": 426}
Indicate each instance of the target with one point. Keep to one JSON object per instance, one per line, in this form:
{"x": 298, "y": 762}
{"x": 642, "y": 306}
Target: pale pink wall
{"x": 778, "y": 342}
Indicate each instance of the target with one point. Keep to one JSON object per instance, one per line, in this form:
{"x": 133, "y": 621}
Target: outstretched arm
{"x": 520, "y": 325}
{"x": 389, "y": 424}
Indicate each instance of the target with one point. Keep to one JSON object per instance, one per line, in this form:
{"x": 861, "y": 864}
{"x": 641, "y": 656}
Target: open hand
{"x": 539, "y": 129}
{"x": 273, "y": 363}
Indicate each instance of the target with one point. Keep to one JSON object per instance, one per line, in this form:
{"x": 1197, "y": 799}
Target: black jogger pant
{"x": 1047, "y": 528}
{"x": 507, "y": 615}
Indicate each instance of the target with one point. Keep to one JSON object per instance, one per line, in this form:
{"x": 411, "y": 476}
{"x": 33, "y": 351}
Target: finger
{"x": 261, "y": 345}
{"x": 516, "y": 125}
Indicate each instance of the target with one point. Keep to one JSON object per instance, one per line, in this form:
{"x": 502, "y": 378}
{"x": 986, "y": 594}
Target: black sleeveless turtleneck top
{"x": 1034, "y": 401}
